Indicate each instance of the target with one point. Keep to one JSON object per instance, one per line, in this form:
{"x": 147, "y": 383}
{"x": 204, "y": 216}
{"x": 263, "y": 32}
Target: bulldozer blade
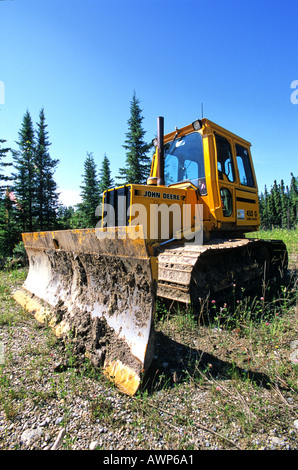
{"x": 98, "y": 286}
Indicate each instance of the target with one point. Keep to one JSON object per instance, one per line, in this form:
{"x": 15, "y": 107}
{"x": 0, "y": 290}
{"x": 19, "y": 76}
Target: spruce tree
{"x": 9, "y": 234}
{"x": 105, "y": 178}
{"x": 276, "y": 205}
{"x": 293, "y": 209}
{"x": 279, "y": 207}
{"x": 46, "y": 187}
{"x": 137, "y": 167}
{"x": 90, "y": 194}
{"x": 284, "y": 205}
{"x": 262, "y": 207}
{"x": 265, "y": 214}
{"x": 4, "y": 178}
{"x": 271, "y": 209}
{"x": 9, "y": 230}
{"x": 25, "y": 176}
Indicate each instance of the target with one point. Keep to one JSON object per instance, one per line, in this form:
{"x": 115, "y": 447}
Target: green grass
{"x": 229, "y": 377}
{"x": 8, "y": 282}
{"x": 289, "y": 237}
{"x": 250, "y": 338}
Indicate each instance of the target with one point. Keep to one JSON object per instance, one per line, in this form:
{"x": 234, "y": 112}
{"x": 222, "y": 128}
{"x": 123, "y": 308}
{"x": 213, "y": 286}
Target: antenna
{"x": 202, "y": 110}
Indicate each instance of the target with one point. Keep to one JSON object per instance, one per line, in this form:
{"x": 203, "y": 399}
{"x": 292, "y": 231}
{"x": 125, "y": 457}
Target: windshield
{"x": 184, "y": 161}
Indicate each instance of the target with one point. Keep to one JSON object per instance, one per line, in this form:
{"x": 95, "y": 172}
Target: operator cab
{"x": 218, "y": 164}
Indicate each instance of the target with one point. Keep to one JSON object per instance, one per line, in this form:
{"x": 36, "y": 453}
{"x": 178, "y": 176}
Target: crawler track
{"x": 190, "y": 273}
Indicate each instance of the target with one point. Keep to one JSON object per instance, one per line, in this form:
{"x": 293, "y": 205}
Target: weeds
{"x": 289, "y": 237}
{"x": 225, "y": 379}
{"x": 247, "y": 341}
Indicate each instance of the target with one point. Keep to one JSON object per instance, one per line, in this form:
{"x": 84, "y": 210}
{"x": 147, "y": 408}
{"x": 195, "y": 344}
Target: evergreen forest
{"x": 29, "y": 196}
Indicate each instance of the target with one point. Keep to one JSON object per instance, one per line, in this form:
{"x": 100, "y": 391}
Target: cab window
{"x": 184, "y": 161}
{"x": 244, "y": 167}
{"x": 225, "y": 164}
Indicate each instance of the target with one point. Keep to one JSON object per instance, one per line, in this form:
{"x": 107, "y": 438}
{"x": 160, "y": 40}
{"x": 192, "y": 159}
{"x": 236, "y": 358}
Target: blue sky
{"x": 81, "y": 60}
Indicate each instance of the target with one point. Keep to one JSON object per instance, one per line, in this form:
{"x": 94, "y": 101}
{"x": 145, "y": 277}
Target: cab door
{"x": 247, "y": 202}
{"x": 226, "y": 177}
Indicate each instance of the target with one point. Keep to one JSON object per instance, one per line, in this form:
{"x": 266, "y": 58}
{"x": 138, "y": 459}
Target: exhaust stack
{"x": 160, "y": 150}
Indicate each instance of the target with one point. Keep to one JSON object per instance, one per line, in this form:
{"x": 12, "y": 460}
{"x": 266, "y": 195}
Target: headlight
{"x": 197, "y": 125}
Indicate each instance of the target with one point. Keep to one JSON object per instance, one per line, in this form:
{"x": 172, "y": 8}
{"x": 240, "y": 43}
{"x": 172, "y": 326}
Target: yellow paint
{"x": 61, "y": 328}
{"x": 154, "y": 268}
{"x": 41, "y": 312}
{"x": 126, "y": 379}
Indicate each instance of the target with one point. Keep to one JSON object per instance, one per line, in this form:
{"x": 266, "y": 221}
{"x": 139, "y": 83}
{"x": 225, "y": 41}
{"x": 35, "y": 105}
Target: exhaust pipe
{"x": 160, "y": 152}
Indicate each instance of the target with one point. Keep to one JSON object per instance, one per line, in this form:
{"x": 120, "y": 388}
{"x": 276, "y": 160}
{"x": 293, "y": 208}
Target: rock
{"x": 93, "y": 445}
{"x": 277, "y": 442}
{"x": 59, "y": 440}
{"x": 294, "y": 344}
{"x": 45, "y": 423}
{"x": 31, "y": 435}
{"x": 294, "y": 353}
{"x": 296, "y": 423}
{"x": 294, "y": 356}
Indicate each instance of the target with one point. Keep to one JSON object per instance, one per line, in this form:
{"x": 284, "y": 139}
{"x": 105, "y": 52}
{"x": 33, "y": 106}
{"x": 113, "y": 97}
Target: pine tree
{"x": 67, "y": 218}
{"x": 276, "y": 199}
{"x": 271, "y": 209}
{"x": 105, "y": 178}
{"x": 90, "y": 193}
{"x": 9, "y": 234}
{"x": 279, "y": 207}
{"x": 262, "y": 207}
{"x": 4, "y": 178}
{"x": 9, "y": 230}
{"x": 46, "y": 187}
{"x": 25, "y": 176}
{"x": 264, "y": 215}
{"x": 284, "y": 206}
{"x": 293, "y": 204}
{"x": 137, "y": 162}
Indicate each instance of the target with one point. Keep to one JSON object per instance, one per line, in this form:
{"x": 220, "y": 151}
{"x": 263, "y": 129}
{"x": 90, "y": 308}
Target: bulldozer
{"x": 179, "y": 236}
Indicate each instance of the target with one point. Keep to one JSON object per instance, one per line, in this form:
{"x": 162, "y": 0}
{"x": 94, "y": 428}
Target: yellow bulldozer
{"x": 180, "y": 236}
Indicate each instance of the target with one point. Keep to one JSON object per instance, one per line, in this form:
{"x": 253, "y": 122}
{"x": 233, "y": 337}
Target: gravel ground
{"x": 48, "y": 407}
{"x": 183, "y": 404}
